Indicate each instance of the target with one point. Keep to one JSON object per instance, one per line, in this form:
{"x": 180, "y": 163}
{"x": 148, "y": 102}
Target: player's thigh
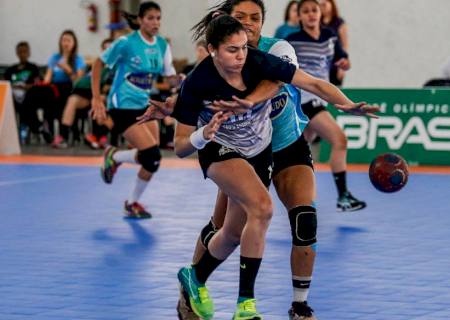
{"x": 326, "y": 127}
{"x": 140, "y": 136}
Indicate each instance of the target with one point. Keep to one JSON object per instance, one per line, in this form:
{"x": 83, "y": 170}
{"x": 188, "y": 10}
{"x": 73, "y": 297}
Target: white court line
{"x": 55, "y": 177}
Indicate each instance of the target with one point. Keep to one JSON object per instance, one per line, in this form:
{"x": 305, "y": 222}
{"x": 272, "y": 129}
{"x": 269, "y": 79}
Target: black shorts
{"x": 124, "y": 118}
{"x": 85, "y": 93}
{"x": 297, "y": 153}
{"x": 312, "y": 108}
{"x": 214, "y": 152}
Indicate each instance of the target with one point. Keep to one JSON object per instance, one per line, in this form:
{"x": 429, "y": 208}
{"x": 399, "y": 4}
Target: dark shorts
{"x": 214, "y": 152}
{"x": 124, "y": 118}
{"x": 312, "y": 108}
{"x": 298, "y": 153}
{"x": 85, "y": 93}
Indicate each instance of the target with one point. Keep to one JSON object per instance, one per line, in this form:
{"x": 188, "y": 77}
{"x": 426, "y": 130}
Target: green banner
{"x": 414, "y": 123}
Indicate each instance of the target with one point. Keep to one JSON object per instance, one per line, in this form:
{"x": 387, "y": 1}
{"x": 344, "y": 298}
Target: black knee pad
{"x": 207, "y": 233}
{"x": 149, "y": 158}
{"x": 303, "y": 221}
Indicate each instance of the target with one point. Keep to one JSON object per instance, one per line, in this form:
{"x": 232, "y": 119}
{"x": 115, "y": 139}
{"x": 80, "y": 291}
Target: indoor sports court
{"x": 76, "y": 244}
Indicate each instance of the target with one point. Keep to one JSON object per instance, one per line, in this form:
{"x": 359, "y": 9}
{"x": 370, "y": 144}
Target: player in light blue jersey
{"x": 293, "y": 174}
{"x": 138, "y": 58}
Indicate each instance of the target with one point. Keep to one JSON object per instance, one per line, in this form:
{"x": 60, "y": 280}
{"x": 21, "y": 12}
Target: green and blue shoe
{"x": 199, "y": 298}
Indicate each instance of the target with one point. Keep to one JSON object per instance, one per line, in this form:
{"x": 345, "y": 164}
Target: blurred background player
{"x": 332, "y": 20}
{"x": 317, "y": 50}
{"x": 291, "y": 23}
{"x": 138, "y": 59}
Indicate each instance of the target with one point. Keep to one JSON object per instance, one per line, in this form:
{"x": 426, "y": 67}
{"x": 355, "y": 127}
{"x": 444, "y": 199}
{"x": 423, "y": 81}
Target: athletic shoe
{"x": 91, "y": 141}
{"x": 301, "y": 311}
{"x": 45, "y": 134}
{"x": 246, "y": 310}
{"x": 347, "y": 202}
{"x": 199, "y": 298}
{"x": 110, "y": 166}
{"x": 59, "y": 143}
{"x": 136, "y": 211}
{"x": 102, "y": 142}
{"x": 184, "y": 309}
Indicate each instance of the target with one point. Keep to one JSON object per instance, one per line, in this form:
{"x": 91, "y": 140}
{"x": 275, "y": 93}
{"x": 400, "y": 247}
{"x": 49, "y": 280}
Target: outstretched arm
{"x": 332, "y": 94}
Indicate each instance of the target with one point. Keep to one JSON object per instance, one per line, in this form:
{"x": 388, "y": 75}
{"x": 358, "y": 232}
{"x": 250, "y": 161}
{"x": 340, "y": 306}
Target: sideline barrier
{"x": 414, "y": 123}
{"x": 9, "y": 139}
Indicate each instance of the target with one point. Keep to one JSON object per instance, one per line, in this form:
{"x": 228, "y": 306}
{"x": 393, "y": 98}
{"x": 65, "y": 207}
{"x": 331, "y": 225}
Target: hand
{"x": 236, "y": 106}
{"x": 214, "y": 124}
{"x": 65, "y": 67}
{"x": 98, "y": 109}
{"x": 158, "y": 110}
{"x": 359, "y": 109}
{"x": 343, "y": 64}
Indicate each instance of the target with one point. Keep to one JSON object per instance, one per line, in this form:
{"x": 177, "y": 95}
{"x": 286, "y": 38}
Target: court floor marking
{"x": 182, "y": 163}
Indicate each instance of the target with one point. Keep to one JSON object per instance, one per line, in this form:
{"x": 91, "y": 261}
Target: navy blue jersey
{"x": 248, "y": 133}
{"x": 316, "y": 56}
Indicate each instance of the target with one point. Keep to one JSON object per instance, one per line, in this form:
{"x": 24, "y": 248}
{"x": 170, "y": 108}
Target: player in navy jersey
{"x": 138, "y": 59}
{"x": 241, "y": 145}
{"x": 318, "y": 49}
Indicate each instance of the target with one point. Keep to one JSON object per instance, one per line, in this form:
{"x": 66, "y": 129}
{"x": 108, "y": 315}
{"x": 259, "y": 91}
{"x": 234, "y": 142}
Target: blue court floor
{"x": 67, "y": 253}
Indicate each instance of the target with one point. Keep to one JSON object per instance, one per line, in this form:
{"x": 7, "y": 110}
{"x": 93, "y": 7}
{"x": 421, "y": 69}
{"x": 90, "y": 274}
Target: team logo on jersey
{"x": 224, "y": 150}
{"x": 286, "y": 58}
{"x": 136, "y": 60}
{"x": 150, "y": 51}
{"x": 143, "y": 81}
{"x": 278, "y": 104}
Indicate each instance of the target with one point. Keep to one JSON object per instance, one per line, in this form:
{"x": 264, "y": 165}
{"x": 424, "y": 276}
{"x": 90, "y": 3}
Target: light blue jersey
{"x": 138, "y": 63}
{"x": 288, "y": 119}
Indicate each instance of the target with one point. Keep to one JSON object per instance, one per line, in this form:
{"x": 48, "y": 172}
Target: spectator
{"x": 291, "y": 23}
{"x": 63, "y": 68}
{"x": 81, "y": 99}
{"x": 22, "y": 77}
{"x": 332, "y": 20}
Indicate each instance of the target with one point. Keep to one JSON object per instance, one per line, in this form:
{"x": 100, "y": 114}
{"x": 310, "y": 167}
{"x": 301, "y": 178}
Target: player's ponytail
{"x": 215, "y": 27}
{"x": 132, "y": 20}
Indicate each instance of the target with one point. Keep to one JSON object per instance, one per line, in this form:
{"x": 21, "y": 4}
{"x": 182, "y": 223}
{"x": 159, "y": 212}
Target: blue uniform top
{"x": 316, "y": 56}
{"x": 288, "y": 119}
{"x": 138, "y": 63}
{"x": 285, "y": 30}
{"x": 58, "y": 74}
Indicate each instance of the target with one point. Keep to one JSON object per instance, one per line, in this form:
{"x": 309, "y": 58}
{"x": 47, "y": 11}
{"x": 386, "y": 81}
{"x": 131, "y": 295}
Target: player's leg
{"x": 250, "y": 196}
{"x": 294, "y": 181}
{"x": 147, "y": 154}
{"x": 327, "y": 128}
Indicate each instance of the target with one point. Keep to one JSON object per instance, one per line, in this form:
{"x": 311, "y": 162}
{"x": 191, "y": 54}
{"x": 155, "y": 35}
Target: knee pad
{"x": 303, "y": 221}
{"x": 207, "y": 233}
{"x": 149, "y": 158}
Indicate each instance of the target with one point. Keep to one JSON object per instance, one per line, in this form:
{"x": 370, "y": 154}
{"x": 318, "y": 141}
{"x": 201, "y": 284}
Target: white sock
{"x": 128, "y": 156}
{"x": 138, "y": 190}
{"x": 301, "y": 288}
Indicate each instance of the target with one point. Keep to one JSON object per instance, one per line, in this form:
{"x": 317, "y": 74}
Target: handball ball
{"x": 388, "y": 172}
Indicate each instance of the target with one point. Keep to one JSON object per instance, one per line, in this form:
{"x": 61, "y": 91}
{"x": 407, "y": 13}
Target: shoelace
{"x": 249, "y": 305}
{"x": 302, "y": 309}
{"x": 203, "y": 294}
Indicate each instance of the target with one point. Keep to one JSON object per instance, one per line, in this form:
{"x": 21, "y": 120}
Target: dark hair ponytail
{"x": 132, "y": 19}
{"x": 216, "y": 26}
